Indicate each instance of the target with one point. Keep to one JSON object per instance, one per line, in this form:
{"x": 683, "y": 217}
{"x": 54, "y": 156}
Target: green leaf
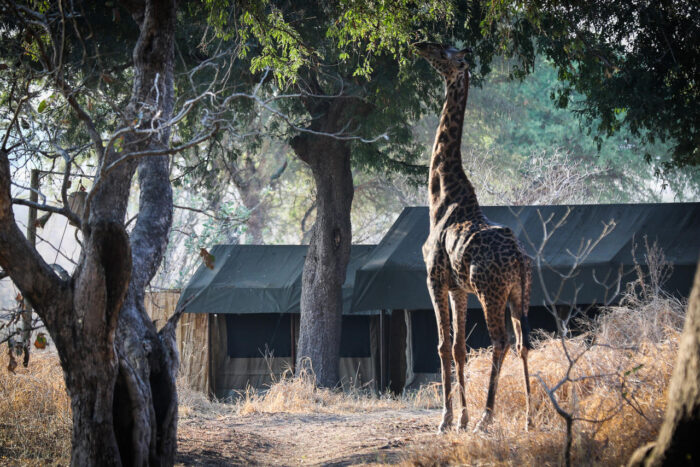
{"x": 42, "y": 106}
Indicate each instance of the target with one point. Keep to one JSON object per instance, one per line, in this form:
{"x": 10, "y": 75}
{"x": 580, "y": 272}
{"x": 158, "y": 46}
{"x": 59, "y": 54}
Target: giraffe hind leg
{"x": 521, "y": 328}
{"x": 494, "y": 310}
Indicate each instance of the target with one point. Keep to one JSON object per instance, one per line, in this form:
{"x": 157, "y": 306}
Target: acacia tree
{"x": 119, "y": 370}
{"x": 334, "y": 119}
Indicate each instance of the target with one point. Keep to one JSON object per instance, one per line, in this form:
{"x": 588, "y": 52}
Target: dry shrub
{"x": 301, "y": 395}
{"x": 35, "y": 414}
{"x": 428, "y": 396}
{"x": 619, "y": 384}
{"x": 195, "y": 404}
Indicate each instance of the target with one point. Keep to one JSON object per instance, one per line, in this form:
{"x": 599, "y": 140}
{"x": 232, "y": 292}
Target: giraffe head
{"x": 447, "y": 60}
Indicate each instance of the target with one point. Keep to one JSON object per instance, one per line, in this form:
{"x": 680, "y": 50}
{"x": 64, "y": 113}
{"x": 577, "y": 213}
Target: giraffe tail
{"x": 525, "y": 300}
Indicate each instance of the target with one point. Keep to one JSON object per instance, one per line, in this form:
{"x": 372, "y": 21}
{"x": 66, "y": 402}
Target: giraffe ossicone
{"x": 466, "y": 253}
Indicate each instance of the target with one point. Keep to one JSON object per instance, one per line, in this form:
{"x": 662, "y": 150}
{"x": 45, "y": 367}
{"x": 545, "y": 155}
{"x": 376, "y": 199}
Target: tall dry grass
{"x": 622, "y": 382}
{"x": 35, "y": 414}
{"x": 617, "y": 393}
{"x": 300, "y": 395}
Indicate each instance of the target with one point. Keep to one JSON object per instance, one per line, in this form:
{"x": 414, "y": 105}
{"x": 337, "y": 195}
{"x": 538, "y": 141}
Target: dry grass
{"x": 632, "y": 360}
{"x": 35, "y": 415}
{"x": 300, "y": 395}
{"x": 194, "y": 404}
{"x": 620, "y": 385}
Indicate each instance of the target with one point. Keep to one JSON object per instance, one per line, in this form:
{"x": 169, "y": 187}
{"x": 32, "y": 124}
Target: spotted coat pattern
{"x": 466, "y": 253}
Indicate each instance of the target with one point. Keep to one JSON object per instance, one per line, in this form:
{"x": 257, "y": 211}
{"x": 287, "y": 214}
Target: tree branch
{"x": 45, "y": 207}
{"x": 19, "y": 259}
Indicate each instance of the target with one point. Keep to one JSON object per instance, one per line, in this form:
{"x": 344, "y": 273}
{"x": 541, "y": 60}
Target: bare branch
{"x": 48, "y": 208}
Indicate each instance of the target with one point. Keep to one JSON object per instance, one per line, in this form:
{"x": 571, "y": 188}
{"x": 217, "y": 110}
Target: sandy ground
{"x": 305, "y": 439}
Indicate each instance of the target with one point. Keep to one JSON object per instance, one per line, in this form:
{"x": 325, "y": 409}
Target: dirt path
{"x": 304, "y": 439}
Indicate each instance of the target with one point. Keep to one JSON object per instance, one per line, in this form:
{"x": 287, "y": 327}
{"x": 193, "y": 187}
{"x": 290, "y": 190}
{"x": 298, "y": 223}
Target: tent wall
{"x": 254, "y": 350}
{"x": 191, "y": 335}
{"x": 218, "y": 362}
{"x": 193, "y": 331}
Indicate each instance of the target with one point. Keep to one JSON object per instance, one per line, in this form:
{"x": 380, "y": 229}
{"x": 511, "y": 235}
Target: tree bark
{"x": 677, "y": 443}
{"x": 145, "y": 400}
{"x": 119, "y": 371}
{"x": 86, "y": 343}
{"x": 249, "y": 182}
{"x": 327, "y": 258}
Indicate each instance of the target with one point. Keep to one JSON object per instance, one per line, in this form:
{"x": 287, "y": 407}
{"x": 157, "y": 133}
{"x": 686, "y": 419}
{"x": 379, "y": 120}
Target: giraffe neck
{"x": 448, "y": 183}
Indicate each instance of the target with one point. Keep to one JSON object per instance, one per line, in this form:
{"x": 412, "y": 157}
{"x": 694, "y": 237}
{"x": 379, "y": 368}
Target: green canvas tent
{"x": 258, "y": 278}
{"x": 252, "y": 296}
{"x": 394, "y": 275}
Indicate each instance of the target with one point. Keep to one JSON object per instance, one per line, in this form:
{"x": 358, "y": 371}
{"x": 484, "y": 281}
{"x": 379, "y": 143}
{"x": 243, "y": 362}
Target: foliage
{"x": 508, "y": 122}
{"x": 372, "y": 29}
{"x": 636, "y": 64}
{"x": 279, "y": 46}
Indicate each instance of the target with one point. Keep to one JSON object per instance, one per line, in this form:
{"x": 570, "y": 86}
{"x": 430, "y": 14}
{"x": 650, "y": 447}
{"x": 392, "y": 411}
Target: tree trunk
{"x": 677, "y": 443}
{"x": 256, "y": 220}
{"x": 145, "y": 397}
{"x": 119, "y": 371}
{"x": 251, "y": 195}
{"x": 86, "y": 347}
{"x": 327, "y": 257}
{"x": 250, "y": 181}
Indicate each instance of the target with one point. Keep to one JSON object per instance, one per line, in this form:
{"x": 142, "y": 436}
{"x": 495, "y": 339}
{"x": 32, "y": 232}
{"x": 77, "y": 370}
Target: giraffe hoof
{"x": 446, "y": 421}
{"x": 484, "y": 423}
{"x": 442, "y": 429}
{"x": 463, "y": 421}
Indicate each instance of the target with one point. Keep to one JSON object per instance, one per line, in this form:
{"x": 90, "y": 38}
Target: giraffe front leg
{"x": 438, "y": 295}
{"x": 446, "y": 367}
{"x": 526, "y": 375}
{"x": 459, "y": 350}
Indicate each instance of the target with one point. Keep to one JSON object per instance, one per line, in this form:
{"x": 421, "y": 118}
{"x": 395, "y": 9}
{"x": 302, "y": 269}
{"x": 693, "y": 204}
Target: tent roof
{"x": 394, "y": 275}
{"x": 258, "y": 279}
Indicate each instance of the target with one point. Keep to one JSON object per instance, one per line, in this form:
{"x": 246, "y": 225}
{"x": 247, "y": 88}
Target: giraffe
{"x": 466, "y": 253}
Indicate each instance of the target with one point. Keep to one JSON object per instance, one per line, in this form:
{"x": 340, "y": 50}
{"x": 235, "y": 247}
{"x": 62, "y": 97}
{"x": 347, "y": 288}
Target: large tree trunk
{"x": 677, "y": 443}
{"x": 119, "y": 371}
{"x": 86, "y": 346}
{"x": 327, "y": 257}
{"x": 81, "y": 316}
{"x": 145, "y": 399}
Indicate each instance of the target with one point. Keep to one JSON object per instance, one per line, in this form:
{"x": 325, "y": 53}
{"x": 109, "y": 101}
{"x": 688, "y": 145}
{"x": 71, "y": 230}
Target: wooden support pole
{"x": 381, "y": 351}
{"x": 388, "y": 349}
{"x": 292, "y": 320}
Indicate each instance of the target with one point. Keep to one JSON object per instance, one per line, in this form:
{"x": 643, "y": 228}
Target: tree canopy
{"x": 636, "y": 64}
